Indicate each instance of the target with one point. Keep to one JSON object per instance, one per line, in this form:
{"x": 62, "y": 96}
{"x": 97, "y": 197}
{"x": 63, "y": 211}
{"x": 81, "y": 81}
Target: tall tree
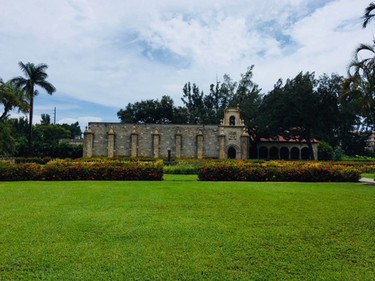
{"x": 7, "y": 142}
{"x": 247, "y": 95}
{"x": 359, "y": 86}
{"x": 215, "y": 102}
{"x": 45, "y": 119}
{"x": 331, "y": 114}
{"x": 291, "y": 110}
{"x": 193, "y": 100}
{"x": 11, "y": 97}
{"x": 74, "y": 128}
{"x": 35, "y": 75}
{"x": 149, "y": 111}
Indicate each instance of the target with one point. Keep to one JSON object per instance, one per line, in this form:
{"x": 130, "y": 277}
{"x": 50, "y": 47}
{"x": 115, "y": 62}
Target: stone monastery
{"x": 229, "y": 140}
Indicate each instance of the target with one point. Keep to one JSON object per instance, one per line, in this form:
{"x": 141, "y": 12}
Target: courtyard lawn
{"x": 186, "y": 230}
{"x": 369, "y": 176}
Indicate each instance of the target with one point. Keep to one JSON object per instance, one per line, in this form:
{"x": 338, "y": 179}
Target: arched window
{"x": 232, "y": 121}
{"x": 284, "y": 153}
{"x": 263, "y": 152}
{"x": 253, "y": 152}
{"x": 305, "y": 155}
{"x": 294, "y": 153}
{"x": 231, "y": 153}
{"x": 274, "y": 153}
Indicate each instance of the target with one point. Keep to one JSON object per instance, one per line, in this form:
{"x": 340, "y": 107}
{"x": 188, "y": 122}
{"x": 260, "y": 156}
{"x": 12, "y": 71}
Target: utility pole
{"x": 54, "y": 116}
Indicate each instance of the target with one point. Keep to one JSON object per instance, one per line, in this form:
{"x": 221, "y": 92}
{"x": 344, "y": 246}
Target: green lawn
{"x": 186, "y": 230}
{"x": 369, "y": 176}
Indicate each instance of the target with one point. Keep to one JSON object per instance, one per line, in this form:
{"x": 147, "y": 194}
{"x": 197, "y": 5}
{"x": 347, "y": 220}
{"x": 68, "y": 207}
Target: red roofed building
{"x": 285, "y": 149}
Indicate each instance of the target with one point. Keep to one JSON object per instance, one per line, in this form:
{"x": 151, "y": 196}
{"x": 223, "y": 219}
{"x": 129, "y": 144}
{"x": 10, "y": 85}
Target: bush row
{"x": 36, "y": 160}
{"x": 315, "y": 172}
{"x": 188, "y": 166}
{"x": 80, "y": 170}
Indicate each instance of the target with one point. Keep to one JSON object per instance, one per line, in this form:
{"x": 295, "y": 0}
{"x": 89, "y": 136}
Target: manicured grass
{"x": 369, "y": 176}
{"x": 186, "y": 230}
{"x": 176, "y": 177}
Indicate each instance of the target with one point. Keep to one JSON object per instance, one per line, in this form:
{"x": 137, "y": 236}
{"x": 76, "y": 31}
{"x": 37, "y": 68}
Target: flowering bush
{"x": 278, "y": 171}
{"x": 82, "y": 170}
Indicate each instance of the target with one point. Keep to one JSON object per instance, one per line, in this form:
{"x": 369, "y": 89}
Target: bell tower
{"x": 233, "y": 136}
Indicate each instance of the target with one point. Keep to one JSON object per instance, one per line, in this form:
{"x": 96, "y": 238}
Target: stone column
{"x": 88, "y": 143}
{"x": 222, "y": 144}
{"x": 111, "y": 143}
{"x": 200, "y": 145}
{"x": 315, "y": 151}
{"x": 178, "y": 144}
{"x": 155, "y": 143}
{"x": 244, "y": 147}
{"x": 134, "y": 144}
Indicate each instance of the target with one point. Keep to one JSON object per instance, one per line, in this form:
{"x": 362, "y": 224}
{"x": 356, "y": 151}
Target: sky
{"x": 102, "y": 55}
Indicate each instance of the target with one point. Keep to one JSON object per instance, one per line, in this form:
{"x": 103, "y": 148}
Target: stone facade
{"x": 371, "y": 142}
{"x": 227, "y": 140}
{"x": 230, "y": 139}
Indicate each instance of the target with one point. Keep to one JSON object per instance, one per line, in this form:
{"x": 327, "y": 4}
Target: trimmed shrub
{"x": 325, "y": 151}
{"x": 81, "y": 170}
{"x": 35, "y": 160}
{"x": 288, "y": 171}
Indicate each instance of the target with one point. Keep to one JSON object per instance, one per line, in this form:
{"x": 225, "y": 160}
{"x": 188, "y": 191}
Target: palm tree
{"x": 368, "y": 15}
{"x": 11, "y": 97}
{"x": 35, "y": 75}
{"x": 359, "y": 87}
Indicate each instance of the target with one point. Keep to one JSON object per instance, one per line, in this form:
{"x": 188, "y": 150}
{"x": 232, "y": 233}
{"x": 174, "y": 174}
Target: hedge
{"x": 278, "y": 171}
{"x": 81, "y": 170}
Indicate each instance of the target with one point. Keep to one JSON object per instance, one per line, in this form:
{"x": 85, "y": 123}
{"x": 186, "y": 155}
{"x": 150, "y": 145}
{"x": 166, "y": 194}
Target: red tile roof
{"x": 282, "y": 139}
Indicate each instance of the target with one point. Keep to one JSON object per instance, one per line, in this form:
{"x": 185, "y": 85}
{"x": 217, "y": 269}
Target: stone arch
{"x": 274, "y": 153}
{"x": 232, "y": 152}
{"x": 263, "y": 152}
{"x": 232, "y": 120}
{"x": 305, "y": 154}
{"x": 294, "y": 153}
{"x": 253, "y": 152}
{"x": 284, "y": 153}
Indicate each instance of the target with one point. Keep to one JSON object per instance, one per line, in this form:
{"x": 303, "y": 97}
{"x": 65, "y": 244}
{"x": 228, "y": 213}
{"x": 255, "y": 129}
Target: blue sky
{"x": 104, "y": 54}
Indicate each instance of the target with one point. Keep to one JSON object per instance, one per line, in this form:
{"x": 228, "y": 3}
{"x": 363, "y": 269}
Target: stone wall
{"x": 227, "y": 140}
{"x": 152, "y": 140}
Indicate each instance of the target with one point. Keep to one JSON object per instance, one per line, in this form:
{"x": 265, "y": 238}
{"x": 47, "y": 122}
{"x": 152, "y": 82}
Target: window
{"x": 232, "y": 121}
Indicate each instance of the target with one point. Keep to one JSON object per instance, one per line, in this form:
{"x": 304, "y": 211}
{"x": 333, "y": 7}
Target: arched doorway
{"x": 274, "y": 153}
{"x": 305, "y": 155}
{"x": 284, "y": 153}
{"x": 263, "y": 152}
{"x": 294, "y": 153}
{"x": 253, "y": 152}
{"x": 231, "y": 153}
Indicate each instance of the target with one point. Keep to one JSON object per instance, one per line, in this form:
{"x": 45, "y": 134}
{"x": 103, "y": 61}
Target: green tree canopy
{"x": 35, "y": 75}
{"x": 150, "y": 111}
{"x": 291, "y": 110}
{"x": 11, "y": 97}
{"x": 359, "y": 87}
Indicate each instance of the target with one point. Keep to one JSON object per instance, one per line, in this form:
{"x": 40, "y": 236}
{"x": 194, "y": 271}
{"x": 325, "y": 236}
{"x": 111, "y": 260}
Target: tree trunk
{"x": 30, "y": 133}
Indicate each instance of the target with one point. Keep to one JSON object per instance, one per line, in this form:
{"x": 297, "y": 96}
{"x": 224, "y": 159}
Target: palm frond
{"x": 368, "y": 15}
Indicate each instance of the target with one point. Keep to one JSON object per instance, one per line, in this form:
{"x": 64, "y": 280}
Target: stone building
{"x": 371, "y": 142}
{"x": 229, "y": 140}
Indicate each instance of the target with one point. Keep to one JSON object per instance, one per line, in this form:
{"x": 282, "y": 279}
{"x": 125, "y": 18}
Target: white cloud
{"x": 115, "y": 52}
